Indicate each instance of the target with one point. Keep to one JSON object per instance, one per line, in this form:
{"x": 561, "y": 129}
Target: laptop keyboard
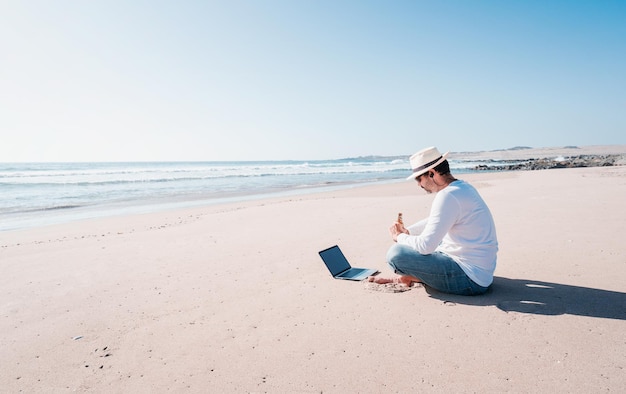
{"x": 354, "y": 271}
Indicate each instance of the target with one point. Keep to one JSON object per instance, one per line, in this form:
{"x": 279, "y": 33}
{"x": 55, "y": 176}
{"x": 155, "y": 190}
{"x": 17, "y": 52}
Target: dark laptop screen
{"x": 334, "y": 260}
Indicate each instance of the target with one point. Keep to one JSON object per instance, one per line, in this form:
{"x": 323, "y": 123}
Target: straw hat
{"x": 424, "y": 160}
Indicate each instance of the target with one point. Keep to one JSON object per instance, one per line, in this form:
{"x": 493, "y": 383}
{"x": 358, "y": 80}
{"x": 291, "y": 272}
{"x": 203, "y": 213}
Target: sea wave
{"x": 115, "y": 178}
{"x": 40, "y": 190}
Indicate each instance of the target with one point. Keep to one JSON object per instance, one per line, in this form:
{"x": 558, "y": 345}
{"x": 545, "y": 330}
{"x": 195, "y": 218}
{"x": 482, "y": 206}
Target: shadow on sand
{"x": 544, "y": 298}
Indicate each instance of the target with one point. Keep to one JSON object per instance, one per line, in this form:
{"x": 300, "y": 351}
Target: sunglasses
{"x": 419, "y": 177}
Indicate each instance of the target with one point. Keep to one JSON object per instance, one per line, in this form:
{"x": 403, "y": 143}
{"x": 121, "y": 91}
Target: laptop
{"x": 339, "y": 267}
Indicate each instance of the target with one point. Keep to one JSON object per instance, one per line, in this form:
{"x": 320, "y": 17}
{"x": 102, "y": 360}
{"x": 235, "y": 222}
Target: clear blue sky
{"x": 256, "y": 80}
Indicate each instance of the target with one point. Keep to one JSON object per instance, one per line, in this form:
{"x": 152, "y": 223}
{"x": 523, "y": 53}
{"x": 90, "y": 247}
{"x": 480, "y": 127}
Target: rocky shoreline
{"x": 559, "y": 162}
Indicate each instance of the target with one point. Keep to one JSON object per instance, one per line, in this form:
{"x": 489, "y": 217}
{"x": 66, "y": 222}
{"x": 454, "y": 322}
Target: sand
{"x": 234, "y": 298}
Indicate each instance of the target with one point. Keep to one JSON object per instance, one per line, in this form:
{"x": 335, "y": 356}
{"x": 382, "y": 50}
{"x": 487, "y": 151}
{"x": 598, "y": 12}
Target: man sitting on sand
{"x": 454, "y": 249}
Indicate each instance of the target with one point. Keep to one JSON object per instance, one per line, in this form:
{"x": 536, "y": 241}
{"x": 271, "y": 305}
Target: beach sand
{"x": 234, "y": 298}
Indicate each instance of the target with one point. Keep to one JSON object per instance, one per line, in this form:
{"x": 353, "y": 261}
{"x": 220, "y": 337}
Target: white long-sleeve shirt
{"x": 461, "y": 226}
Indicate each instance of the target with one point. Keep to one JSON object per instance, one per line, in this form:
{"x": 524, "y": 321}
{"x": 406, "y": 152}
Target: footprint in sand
{"x": 389, "y": 287}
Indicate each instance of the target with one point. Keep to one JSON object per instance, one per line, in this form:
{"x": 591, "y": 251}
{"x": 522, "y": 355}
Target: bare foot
{"x": 382, "y": 281}
{"x": 406, "y": 280}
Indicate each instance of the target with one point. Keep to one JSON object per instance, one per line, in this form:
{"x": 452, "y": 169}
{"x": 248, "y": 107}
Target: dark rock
{"x": 547, "y": 163}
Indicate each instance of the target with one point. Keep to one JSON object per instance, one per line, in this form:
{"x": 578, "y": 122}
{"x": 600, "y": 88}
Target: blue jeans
{"x": 436, "y": 270}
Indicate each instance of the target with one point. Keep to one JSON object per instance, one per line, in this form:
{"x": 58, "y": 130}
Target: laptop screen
{"x": 334, "y": 260}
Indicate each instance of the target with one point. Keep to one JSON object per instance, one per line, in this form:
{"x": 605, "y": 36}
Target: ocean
{"x": 36, "y": 194}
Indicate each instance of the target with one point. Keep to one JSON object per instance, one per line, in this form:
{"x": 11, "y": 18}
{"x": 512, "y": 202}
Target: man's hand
{"x": 397, "y": 229}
